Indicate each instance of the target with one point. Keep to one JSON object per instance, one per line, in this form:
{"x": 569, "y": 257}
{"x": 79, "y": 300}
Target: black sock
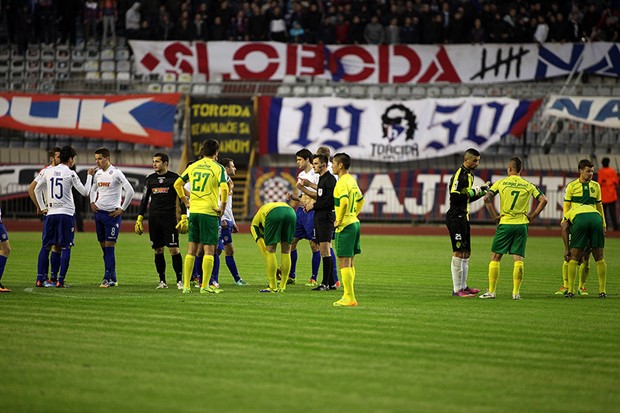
{"x": 328, "y": 272}
{"x": 160, "y": 266}
{"x": 177, "y": 265}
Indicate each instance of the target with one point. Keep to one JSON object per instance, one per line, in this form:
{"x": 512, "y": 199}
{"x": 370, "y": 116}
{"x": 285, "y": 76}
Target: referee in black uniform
{"x": 163, "y": 227}
{"x": 324, "y": 217}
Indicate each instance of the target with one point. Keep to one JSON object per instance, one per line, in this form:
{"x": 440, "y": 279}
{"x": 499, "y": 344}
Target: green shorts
{"x": 203, "y": 229}
{"x": 510, "y": 239}
{"x": 280, "y": 225}
{"x": 587, "y": 230}
{"x": 347, "y": 241}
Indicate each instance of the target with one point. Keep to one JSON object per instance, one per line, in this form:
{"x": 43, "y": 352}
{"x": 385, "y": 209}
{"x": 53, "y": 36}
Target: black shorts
{"x": 460, "y": 234}
{"x": 324, "y": 225}
{"x": 163, "y": 232}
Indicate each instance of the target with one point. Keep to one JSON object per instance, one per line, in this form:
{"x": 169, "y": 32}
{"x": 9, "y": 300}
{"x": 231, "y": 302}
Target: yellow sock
{"x": 572, "y": 274}
{"x": 352, "y": 286}
{"x": 565, "y": 274}
{"x": 584, "y": 271}
{"x": 517, "y": 277}
{"x": 261, "y": 246}
{"x": 285, "y": 267}
{"x": 493, "y": 275}
{"x": 346, "y": 275}
{"x": 601, "y": 271}
{"x": 188, "y": 268}
{"x": 207, "y": 268}
{"x": 272, "y": 268}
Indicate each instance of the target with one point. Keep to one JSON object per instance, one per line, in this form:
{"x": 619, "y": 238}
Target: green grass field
{"x": 408, "y": 347}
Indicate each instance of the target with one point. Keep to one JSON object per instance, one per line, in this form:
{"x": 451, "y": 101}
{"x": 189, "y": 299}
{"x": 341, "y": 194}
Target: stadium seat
{"x": 283, "y": 90}
{"x": 199, "y": 89}
{"x": 108, "y": 76}
{"x": 169, "y": 77}
{"x": 185, "y": 78}
{"x": 121, "y": 54}
{"x": 153, "y": 88}
{"x": 214, "y": 89}
{"x": 93, "y": 76}
{"x": 107, "y": 54}
{"x": 108, "y": 66}
{"x": 299, "y": 90}
{"x": 184, "y": 88}
{"x": 169, "y": 88}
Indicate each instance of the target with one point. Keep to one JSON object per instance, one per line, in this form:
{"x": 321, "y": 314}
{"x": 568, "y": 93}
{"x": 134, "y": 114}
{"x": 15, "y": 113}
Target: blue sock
{"x": 2, "y": 264}
{"x": 198, "y": 267}
{"x": 293, "y": 264}
{"x": 316, "y": 262}
{"x": 215, "y": 273}
{"x": 110, "y": 263}
{"x": 331, "y": 250}
{"x": 43, "y": 264}
{"x": 65, "y": 257}
{"x": 232, "y": 267}
{"x": 55, "y": 264}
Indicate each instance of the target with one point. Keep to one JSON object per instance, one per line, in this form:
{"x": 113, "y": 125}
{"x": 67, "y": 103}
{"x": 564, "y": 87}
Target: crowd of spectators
{"x": 312, "y": 21}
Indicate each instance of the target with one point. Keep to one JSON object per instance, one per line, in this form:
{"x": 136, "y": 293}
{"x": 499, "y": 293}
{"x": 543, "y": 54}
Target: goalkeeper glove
{"x": 139, "y": 228}
{"x": 183, "y": 224}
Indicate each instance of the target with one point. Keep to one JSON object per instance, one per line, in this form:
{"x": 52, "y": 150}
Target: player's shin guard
{"x": 584, "y": 272}
{"x": 347, "y": 283}
{"x": 572, "y": 274}
{"x": 565, "y": 274}
{"x": 285, "y": 267}
{"x": 177, "y": 265}
{"x": 188, "y": 270}
{"x": 493, "y": 275}
{"x": 328, "y": 273}
{"x": 197, "y": 270}
{"x": 457, "y": 273}
{"x": 54, "y": 264}
{"x": 601, "y": 271}
{"x": 316, "y": 263}
{"x": 160, "y": 266}
{"x": 334, "y": 265}
{"x": 517, "y": 277}
{"x": 215, "y": 272}
{"x": 109, "y": 259}
{"x": 293, "y": 264}
{"x": 465, "y": 272}
{"x": 43, "y": 264}
{"x": 3, "y": 260}
{"x": 232, "y": 267}
{"x": 65, "y": 259}
{"x": 207, "y": 268}
{"x": 272, "y": 268}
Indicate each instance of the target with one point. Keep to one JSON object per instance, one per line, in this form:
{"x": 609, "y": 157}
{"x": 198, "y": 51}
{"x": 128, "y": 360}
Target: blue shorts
{"x": 4, "y": 236}
{"x": 304, "y": 227}
{"x": 106, "y": 226}
{"x": 59, "y": 230}
{"x": 226, "y": 234}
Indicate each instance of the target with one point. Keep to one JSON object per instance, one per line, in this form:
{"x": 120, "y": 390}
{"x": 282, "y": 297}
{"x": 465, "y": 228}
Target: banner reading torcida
{"x": 143, "y": 119}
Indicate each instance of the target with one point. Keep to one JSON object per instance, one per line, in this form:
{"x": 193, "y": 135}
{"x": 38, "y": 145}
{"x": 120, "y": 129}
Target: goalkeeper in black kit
{"x": 462, "y": 193}
{"x": 163, "y": 226}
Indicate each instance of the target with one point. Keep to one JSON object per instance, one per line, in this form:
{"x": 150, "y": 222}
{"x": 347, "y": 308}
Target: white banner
{"x": 488, "y": 63}
{"x": 599, "y": 111}
{"x": 383, "y": 130}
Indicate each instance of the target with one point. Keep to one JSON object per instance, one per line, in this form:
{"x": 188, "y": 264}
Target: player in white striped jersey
{"x": 46, "y": 260}
{"x": 105, "y": 201}
{"x": 5, "y": 250}
{"x": 58, "y": 206}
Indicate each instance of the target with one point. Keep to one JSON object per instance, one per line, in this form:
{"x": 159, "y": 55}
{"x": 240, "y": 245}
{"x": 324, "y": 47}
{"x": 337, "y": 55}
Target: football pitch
{"x": 408, "y": 347}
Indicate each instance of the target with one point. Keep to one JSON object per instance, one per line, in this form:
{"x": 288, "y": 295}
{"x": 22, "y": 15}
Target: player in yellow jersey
{"x": 581, "y": 191}
{"x": 585, "y": 225}
{"x": 348, "y": 202}
{"x": 273, "y": 224}
{"x": 208, "y": 197}
{"x": 514, "y": 217}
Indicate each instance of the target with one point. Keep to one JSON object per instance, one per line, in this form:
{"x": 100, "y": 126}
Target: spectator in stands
{"x": 68, "y": 16}
{"x": 342, "y": 29}
{"x": 277, "y": 26}
{"x": 478, "y": 34}
{"x": 257, "y": 24}
{"x": 91, "y": 19}
{"x": 373, "y": 32}
{"x": 23, "y": 32}
{"x": 608, "y": 179}
{"x": 590, "y": 19}
{"x": 608, "y": 26}
{"x": 576, "y": 28}
{"x": 166, "y": 28}
{"x": 217, "y": 31}
{"x": 239, "y": 27}
{"x": 108, "y": 12}
{"x": 296, "y": 33}
{"x": 356, "y": 31}
{"x": 409, "y": 32}
{"x": 327, "y": 33}
{"x": 44, "y": 21}
{"x": 392, "y": 32}
{"x": 434, "y": 33}
{"x": 199, "y": 28}
{"x": 183, "y": 29}
{"x": 226, "y": 14}
{"x": 311, "y": 23}
{"x": 132, "y": 20}
{"x": 12, "y": 9}
{"x": 295, "y": 14}
{"x": 542, "y": 30}
{"x": 457, "y": 30}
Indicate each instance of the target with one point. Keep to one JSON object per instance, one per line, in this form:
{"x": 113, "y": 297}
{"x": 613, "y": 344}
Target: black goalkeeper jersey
{"x": 460, "y": 184}
{"x": 159, "y": 189}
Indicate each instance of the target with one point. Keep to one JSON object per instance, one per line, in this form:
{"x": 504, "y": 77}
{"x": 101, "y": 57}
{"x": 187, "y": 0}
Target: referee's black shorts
{"x": 163, "y": 232}
{"x": 460, "y": 234}
{"x": 324, "y": 225}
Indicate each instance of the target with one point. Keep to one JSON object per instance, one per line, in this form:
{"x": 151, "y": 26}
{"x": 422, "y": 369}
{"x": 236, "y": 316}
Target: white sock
{"x": 465, "y": 265}
{"x": 457, "y": 273}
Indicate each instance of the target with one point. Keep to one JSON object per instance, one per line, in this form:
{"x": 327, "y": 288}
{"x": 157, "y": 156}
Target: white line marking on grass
{"x": 31, "y": 290}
